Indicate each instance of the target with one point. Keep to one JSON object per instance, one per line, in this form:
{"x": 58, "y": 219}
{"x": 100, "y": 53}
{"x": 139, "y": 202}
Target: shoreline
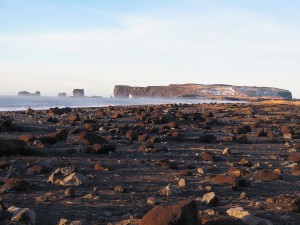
{"x": 125, "y": 156}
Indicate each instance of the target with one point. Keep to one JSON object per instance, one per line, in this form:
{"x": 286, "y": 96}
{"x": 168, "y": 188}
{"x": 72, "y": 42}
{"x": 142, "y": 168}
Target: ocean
{"x": 19, "y": 103}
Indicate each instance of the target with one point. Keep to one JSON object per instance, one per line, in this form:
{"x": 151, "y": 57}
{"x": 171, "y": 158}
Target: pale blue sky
{"x": 58, "y": 45}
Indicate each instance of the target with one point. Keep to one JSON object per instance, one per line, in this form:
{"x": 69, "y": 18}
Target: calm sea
{"x": 15, "y": 103}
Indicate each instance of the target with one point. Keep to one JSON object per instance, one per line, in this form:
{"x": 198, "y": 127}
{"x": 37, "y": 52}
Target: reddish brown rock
{"x": 27, "y": 138}
{"x": 183, "y": 213}
{"x": 295, "y": 158}
{"x": 296, "y": 145}
{"x": 100, "y": 167}
{"x": 285, "y": 129}
{"x": 225, "y": 179}
{"x": 207, "y": 156}
{"x": 266, "y": 175}
{"x": 74, "y": 117}
{"x": 52, "y": 138}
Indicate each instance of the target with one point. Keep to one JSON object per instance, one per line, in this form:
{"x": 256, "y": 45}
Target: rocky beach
{"x": 180, "y": 164}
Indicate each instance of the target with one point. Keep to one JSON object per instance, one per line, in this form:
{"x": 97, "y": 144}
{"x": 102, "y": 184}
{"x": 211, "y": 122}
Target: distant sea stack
{"x": 26, "y": 93}
{"x": 78, "y": 93}
{"x": 62, "y": 95}
{"x": 201, "y": 90}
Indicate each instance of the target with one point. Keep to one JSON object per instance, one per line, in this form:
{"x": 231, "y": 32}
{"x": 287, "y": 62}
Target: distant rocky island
{"x": 201, "y": 90}
{"x": 26, "y": 93}
{"x": 62, "y": 95}
{"x": 78, "y": 93}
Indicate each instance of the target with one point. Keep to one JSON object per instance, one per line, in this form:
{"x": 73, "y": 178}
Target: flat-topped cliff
{"x": 200, "y": 90}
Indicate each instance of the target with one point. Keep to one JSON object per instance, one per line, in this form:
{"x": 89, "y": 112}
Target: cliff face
{"x": 199, "y": 90}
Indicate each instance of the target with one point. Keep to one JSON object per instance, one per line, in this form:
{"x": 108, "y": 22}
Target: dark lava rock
{"x": 220, "y": 220}
{"x": 169, "y": 165}
{"x": 70, "y": 192}
{"x": 13, "y": 147}
{"x": 207, "y": 138}
{"x": 242, "y": 129}
{"x": 52, "y": 120}
{"x": 284, "y": 202}
{"x": 92, "y": 138}
{"x": 242, "y": 139}
{"x": 14, "y": 184}
{"x": 103, "y": 148}
{"x": 59, "y": 111}
{"x": 260, "y": 132}
{"x": 182, "y": 213}
{"x": 75, "y": 130}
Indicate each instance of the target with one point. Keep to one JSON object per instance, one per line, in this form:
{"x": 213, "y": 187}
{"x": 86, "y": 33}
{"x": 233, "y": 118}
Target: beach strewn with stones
{"x": 173, "y": 164}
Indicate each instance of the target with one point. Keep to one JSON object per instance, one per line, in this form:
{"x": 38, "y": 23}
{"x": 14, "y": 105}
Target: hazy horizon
{"x": 57, "y": 46}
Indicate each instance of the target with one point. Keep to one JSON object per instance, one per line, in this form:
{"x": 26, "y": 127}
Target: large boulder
{"x": 52, "y": 138}
{"x": 13, "y": 147}
{"x": 182, "y": 213}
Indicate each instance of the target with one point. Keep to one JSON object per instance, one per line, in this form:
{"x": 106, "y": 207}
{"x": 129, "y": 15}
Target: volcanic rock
{"x": 27, "y": 138}
{"x": 207, "y": 138}
{"x": 103, "y": 148}
{"x": 92, "y": 138}
{"x": 182, "y": 213}
{"x": 12, "y": 147}
{"x": 14, "y": 184}
{"x": 285, "y": 202}
{"x": 266, "y": 175}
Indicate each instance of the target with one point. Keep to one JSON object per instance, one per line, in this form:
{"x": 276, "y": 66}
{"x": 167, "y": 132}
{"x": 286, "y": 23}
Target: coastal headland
{"x": 199, "y": 90}
{"x": 198, "y": 164}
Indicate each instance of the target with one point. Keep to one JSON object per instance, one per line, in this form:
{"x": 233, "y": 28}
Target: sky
{"x": 55, "y": 46}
